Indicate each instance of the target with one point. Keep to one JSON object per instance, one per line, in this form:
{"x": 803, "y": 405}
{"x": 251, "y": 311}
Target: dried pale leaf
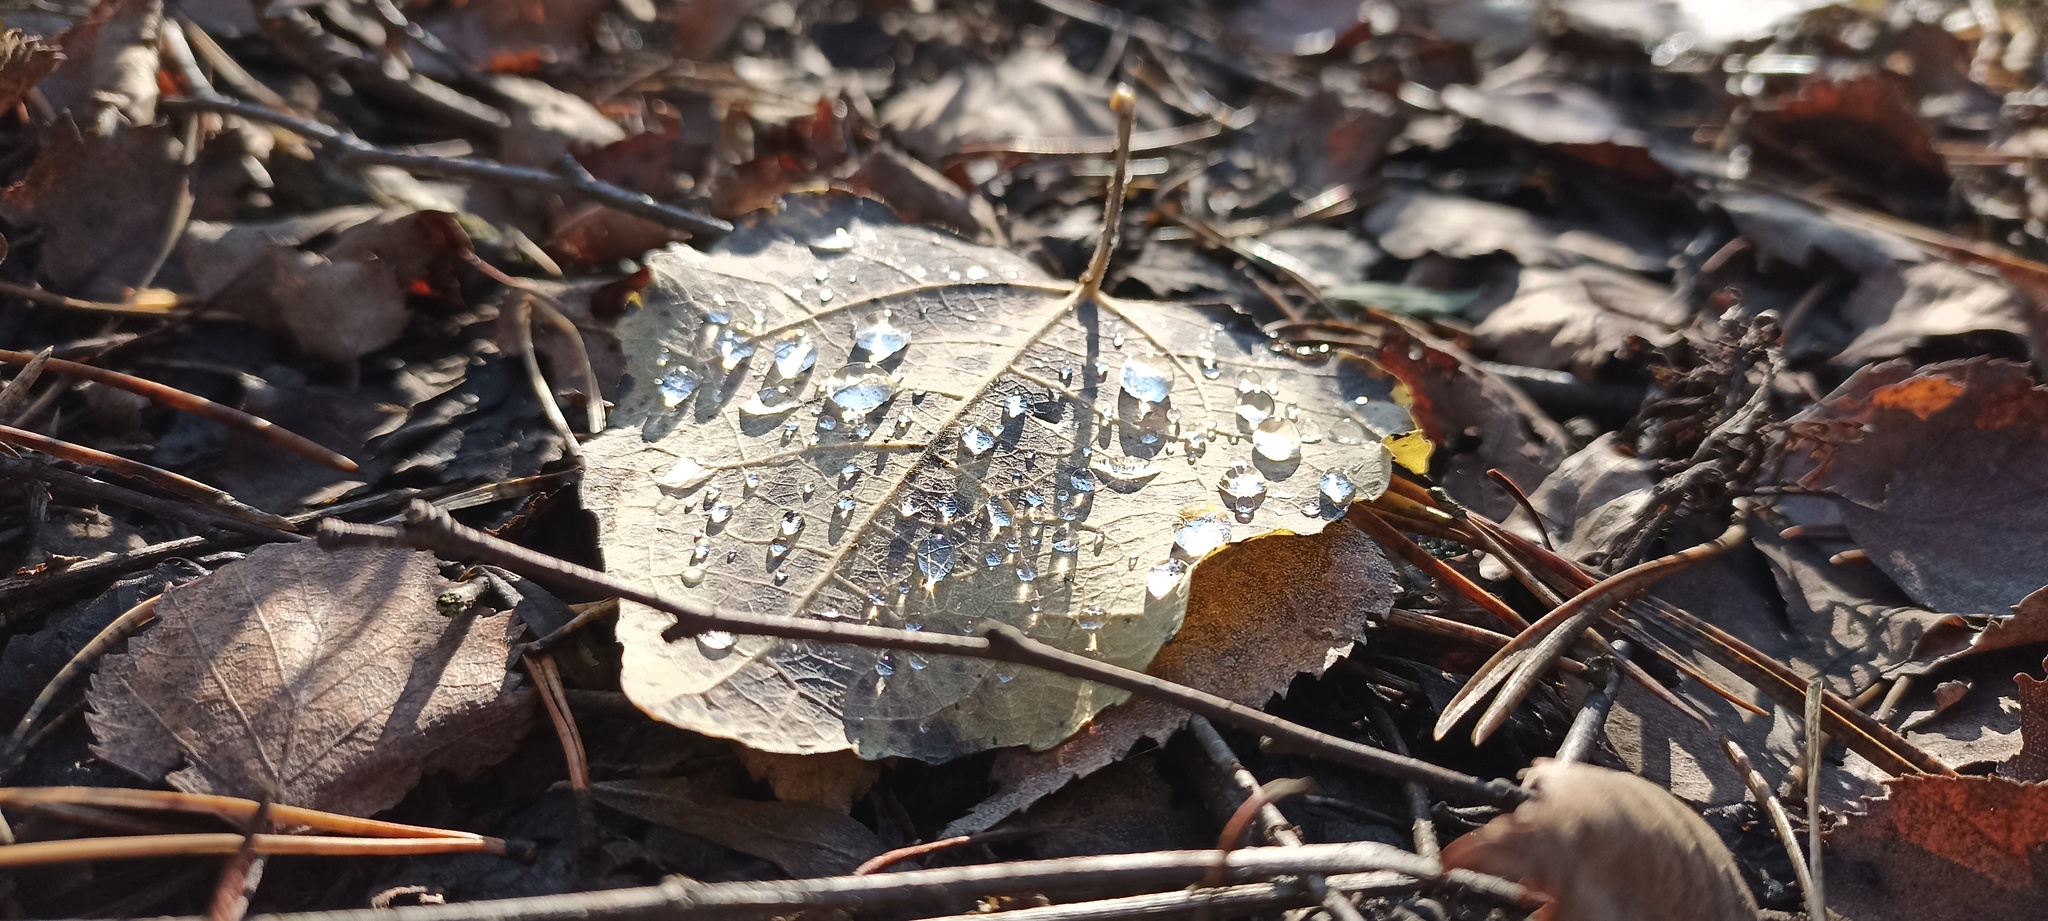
{"x": 309, "y": 678}
{"x": 806, "y": 839}
{"x": 1578, "y": 318}
{"x": 1259, "y": 613}
{"x": 110, "y": 64}
{"x": 1942, "y": 848}
{"x": 832, "y": 779}
{"x": 24, "y": 62}
{"x": 1034, "y": 93}
{"x": 1099, "y": 439}
{"x": 1609, "y": 846}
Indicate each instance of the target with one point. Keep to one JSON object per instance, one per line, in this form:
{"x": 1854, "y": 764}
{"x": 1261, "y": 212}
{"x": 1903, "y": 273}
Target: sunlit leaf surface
{"x": 842, "y": 417}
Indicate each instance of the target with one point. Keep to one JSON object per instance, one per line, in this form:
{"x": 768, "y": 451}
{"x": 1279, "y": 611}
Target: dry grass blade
{"x": 194, "y": 404}
{"x": 39, "y": 853}
{"x": 163, "y": 479}
{"x": 1519, "y": 665}
{"x": 228, "y": 808}
{"x": 17, "y": 389}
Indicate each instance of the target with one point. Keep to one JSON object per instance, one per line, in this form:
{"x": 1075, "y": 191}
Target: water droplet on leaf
{"x": 881, "y": 340}
{"x": 1276, "y": 440}
{"x": 839, "y": 241}
{"x": 1198, "y": 537}
{"x": 1243, "y": 487}
{"x": 676, "y": 386}
{"x": 934, "y": 559}
{"x": 687, "y": 474}
{"x": 976, "y": 440}
{"x": 715, "y": 640}
{"x": 1144, "y": 383}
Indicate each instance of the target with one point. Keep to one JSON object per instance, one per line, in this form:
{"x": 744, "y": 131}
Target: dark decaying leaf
{"x": 1259, "y": 613}
{"x": 310, "y": 678}
{"x": 106, "y": 204}
{"x": 839, "y": 416}
{"x": 1943, "y": 477}
{"x": 1943, "y": 849}
{"x": 1034, "y": 93}
{"x": 806, "y": 839}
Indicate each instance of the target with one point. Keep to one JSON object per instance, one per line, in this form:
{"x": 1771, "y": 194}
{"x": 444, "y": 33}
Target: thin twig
{"x": 1592, "y": 718}
{"x": 353, "y": 149}
{"x": 1816, "y": 743}
{"x": 196, "y": 405}
{"x": 1273, "y": 826}
{"x": 1247, "y": 901}
{"x": 17, "y": 389}
{"x": 1780, "y": 822}
{"x": 200, "y": 517}
{"x": 227, "y": 808}
{"x": 428, "y": 528}
{"x": 682, "y": 898}
{"x": 131, "y": 620}
{"x": 1125, "y": 104}
{"x": 41, "y": 853}
{"x": 1421, "y": 822}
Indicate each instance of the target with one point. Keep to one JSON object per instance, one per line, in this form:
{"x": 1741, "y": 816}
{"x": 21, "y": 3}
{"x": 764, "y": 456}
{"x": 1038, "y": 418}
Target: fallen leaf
{"x": 806, "y": 839}
{"x": 1608, "y": 846}
{"x": 24, "y": 62}
{"x": 110, "y": 66}
{"x": 839, "y": 416}
{"x": 832, "y": 779}
{"x": 1577, "y": 319}
{"x": 2030, "y": 764}
{"x": 105, "y": 203}
{"x": 1033, "y": 93}
{"x": 1939, "y": 471}
{"x": 1259, "y": 613}
{"x": 310, "y": 678}
{"x": 1942, "y": 848}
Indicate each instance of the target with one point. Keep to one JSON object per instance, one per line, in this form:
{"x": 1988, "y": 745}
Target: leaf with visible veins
{"x": 310, "y": 678}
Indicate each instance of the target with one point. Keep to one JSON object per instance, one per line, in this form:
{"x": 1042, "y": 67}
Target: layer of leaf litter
{"x": 835, "y": 415}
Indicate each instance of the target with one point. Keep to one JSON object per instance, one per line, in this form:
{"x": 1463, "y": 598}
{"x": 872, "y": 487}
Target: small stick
{"x": 1522, "y": 499}
{"x": 1420, "y": 821}
{"x": 194, "y": 404}
{"x": 353, "y": 149}
{"x": 1272, "y": 824}
{"x": 887, "y": 859}
{"x": 1367, "y": 519}
{"x": 1816, "y": 743}
{"x": 67, "y": 481}
{"x": 1264, "y": 796}
{"x": 228, "y": 808}
{"x": 552, "y": 411}
{"x": 17, "y": 389}
{"x": 429, "y": 528}
{"x": 1585, "y": 731}
{"x": 47, "y": 298}
{"x": 1124, "y": 103}
{"x": 553, "y": 314}
{"x": 242, "y": 872}
{"x": 161, "y": 478}
{"x": 1780, "y": 822}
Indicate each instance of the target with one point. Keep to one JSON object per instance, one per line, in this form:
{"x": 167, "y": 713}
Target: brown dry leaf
{"x": 1034, "y": 93}
{"x": 2031, "y": 763}
{"x": 1943, "y": 849}
{"x": 1940, "y": 471}
{"x": 832, "y": 779}
{"x": 310, "y": 678}
{"x": 1577, "y": 319}
{"x": 835, "y": 415}
{"x": 110, "y": 65}
{"x": 1609, "y": 846}
{"x": 517, "y": 37}
{"x": 806, "y": 839}
{"x": 106, "y": 204}
{"x": 1259, "y": 613}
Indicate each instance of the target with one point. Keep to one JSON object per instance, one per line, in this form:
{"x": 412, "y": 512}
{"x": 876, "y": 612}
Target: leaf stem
{"x": 1124, "y": 103}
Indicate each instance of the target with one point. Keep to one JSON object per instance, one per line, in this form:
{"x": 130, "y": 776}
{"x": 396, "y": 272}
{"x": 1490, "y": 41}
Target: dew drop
{"x": 792, "y": 523}
{"x": 845, "y": 505}
{"x": 1277, "y": 440}
{"x": 1081, "y": 481}
{"x": 992, "y": 558}
{"x": 934, "y": 559}
{"x": 676, "y": 386}
{"x": 976, "y": 440}
{"x": 1165, "y": 579}
{"x": 752, "y": 482}
{"x": 1027, "y": 571}
{"x": 685, "y": 475}
{"x": 976, "y": 273}
{"x": 1198, "y": 537}
{"x": 1254, "y": 402}
{"x": 848, "y": 474}
{"x": 824, "y": 295}
{"x": 1129, "y": 471}
{"x": 1337, "y": 489}
{"x": 720, "y": 513}
{"x": 999, "y": 513}
{"x": 855, "y": 393}
{"x": 1206, "y": 360}
{"x": 809, "y": 490}
{"x": 770, "y": 400}
{"x": 793, "y": 357}
{"x": 1015, "y": 405}
{"x": 908, "y": 508}
{"x": 780, "y": 576}
{"x": 917, "y": 661}
{"x": 715, "y": 640}
{"x": 1348, "y": 431}
{"x": 1144, "y": 383}
{"x": 885, "y": 666}
{"x": 692, "y": 576}
{"x": 732, "y": 348}
{"x": 1091, "y": 617}
{"x": 838, "y": 241}
{"x": 1243, "y": 488}
{"x": 701, "y": 551}
{"x": 881, "y": 340}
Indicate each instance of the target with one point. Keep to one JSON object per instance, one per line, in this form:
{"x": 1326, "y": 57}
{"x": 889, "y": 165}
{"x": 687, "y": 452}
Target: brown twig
{"x": 199, "y": 517}
{"x": 227, "y": 808}
{"x": 887, "y": 859}
{"x": 40, "y": 853}
{"x": 353, "y": 149}
{"x": 194, "y": 404}
{"x": 428, "y": 528}
{"x": 1272, "y": 825}
{"x": 157, "y": 476}
{"x": 1509, "y": 486}
{"x": 17, "y": 388}
{"x": 1125, "y": 104}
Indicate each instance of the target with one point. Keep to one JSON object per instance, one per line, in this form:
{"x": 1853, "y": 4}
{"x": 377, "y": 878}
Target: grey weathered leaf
{"x": 309, "y": 678}
{"x": 1010, "y": 456}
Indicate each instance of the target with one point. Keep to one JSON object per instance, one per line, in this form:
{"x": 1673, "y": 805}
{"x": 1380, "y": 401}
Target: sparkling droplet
{"x": 881, "y": 340}
{"x": 845, "y": 505}
{"x": 1201, "y": 535}
{"x": 855, "y": 393}
{"x": 701, "y": 551}
{"x": 720, "y": 513}
{"x": 1277, "y": 440}
{"x": 839, "y": 241}
{"x": 1242, "y": 487}
{"x": 992, "y": 558}
{"x": 1125, "y": 471}
{"x": 1337, "y": 489}
{"x": 1254, "y": 402}
{"x": 1016, "y": 404}
{"x": 1091, "y": 617}
{"x": 793, "y": 357}
{"x": 687, "y": 474}
{"x": 1348, "y": 431}
{"x": 1144, "y": 383}
{"x": 1207, "y": 361}
{"x": 715, "y": 640}
{"x": 809, "y": 490}
{"x": 792, "y": 523}
{"x": 824, "y": 295}
{"x": 752, "y": 482}
{"x": 999, "y": 513}
{"x": 1064, "y": 541}
{"x": 692, "y": 576}
{"x": 886, "y": 665}
{"x": 848, "y": 474}
{"x": 770, "y": 400}
{"x": 676, "y": 386}
{"x": 976, "y": 440}
{"x": 777, "y": 549}
{"x": 732, "y": 349}
{"x": 976, "y": 273}
{"x": 1116, "y": 341}
{"x": 1165, "y": 579}
{"x": 917, "y": 661}
{"x": 1027, "y": 570}
{"x": 934, "y": 559}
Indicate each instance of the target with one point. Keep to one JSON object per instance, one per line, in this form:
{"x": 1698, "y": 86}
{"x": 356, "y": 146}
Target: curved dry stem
{"x": 1125, "y": 103}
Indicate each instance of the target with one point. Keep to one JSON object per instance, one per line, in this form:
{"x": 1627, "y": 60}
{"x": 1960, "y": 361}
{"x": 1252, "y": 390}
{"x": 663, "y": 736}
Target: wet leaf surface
{"x": 838, "y": 416}
{"x": 310, "y": 678}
